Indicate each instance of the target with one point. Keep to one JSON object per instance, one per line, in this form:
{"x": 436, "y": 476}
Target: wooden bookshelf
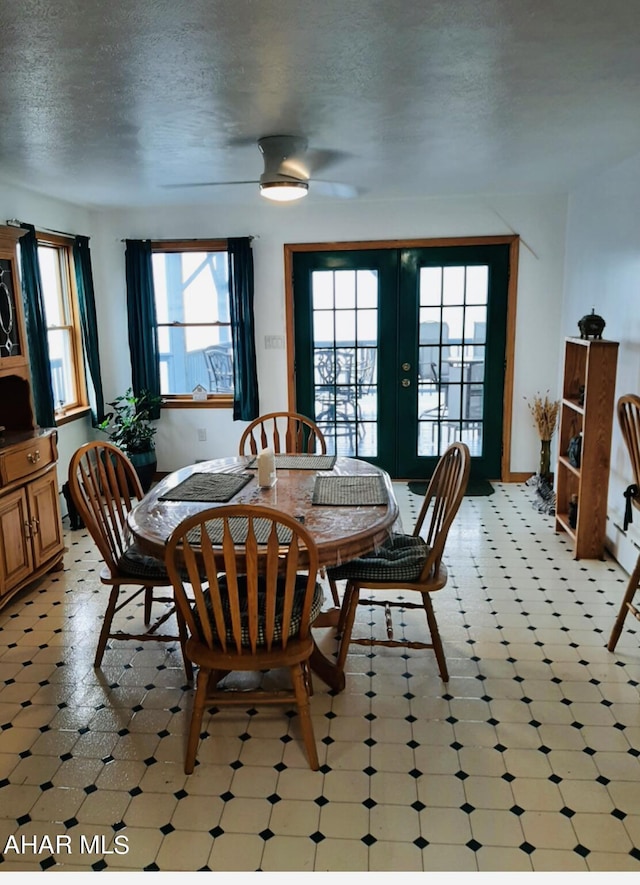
{"x": 586, "y": 407}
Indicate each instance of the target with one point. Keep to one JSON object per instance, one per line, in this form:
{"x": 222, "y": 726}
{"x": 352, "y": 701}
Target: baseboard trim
{"x": 518, "y": 477}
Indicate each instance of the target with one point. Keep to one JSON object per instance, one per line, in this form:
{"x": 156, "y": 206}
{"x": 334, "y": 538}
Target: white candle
{"x": 266, "y": 468}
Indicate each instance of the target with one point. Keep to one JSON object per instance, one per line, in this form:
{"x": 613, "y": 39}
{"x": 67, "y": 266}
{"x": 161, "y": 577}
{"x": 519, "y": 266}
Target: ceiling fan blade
{"x": 319, "y": 160}
{"x": 335, "y": 189}
{"x": 207, "y": 184}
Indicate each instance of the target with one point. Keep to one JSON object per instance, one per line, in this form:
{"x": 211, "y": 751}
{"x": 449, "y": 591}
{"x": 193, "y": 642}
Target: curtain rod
{"x": 185, "y": 239}
{"x": 14, "y": 222}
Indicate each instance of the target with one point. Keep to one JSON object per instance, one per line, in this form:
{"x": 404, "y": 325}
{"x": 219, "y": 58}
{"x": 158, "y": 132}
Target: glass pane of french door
{"x": 344, "y": 347}
{"x": 451, "y": 357}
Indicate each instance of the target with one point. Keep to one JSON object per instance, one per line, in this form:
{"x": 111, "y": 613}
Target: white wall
{"x": 540, "y": 221}
{"x": 603, "y": 271}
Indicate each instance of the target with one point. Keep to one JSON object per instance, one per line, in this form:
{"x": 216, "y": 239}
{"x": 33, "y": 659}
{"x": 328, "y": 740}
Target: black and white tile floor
{"x": 527, "y": 760}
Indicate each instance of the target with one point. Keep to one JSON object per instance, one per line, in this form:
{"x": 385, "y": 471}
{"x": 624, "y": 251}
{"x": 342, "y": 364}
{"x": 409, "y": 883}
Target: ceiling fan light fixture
{"x": 284, "y": 191}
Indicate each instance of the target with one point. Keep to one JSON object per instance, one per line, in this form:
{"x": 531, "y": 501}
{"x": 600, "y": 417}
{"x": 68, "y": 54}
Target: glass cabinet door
{"x": 13, "y": 346}
{"x": 10, "y": 328}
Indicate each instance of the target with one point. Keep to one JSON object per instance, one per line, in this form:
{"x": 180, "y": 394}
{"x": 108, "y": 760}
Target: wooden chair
{"x": 104, "y": 487}
{"x": 409, "y": 562}
{"x": 629, "y": 419}
{"x": 252, "y": 610}
{"x": 284, "y": 432}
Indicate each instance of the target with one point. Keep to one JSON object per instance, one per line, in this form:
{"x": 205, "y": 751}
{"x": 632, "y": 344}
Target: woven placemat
{"x": 299, "y": 462}
{"x": 216, "y": 488}
{"x": 335, "y": 491}
{"x": 238, "y": 526}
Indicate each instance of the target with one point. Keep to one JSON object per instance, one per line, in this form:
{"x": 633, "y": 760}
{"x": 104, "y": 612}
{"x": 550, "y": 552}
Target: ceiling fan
{"x": 288, "y": 170}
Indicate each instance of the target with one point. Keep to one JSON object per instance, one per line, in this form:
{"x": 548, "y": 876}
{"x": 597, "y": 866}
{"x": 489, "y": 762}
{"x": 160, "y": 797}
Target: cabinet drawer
{"x": 26, "y": 459}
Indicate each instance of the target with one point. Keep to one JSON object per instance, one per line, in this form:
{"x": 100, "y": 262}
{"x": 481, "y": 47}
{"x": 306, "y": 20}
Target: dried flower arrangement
{"x": 545, "y": 415}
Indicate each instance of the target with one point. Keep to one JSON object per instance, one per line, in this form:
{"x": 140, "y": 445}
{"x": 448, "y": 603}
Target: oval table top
{"x": 341, "y": 532}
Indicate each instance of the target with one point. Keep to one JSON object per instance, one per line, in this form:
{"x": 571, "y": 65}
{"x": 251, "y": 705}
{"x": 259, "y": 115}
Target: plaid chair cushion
{"x": 301, "y": 585}
{"x": 401, "y": 559}
{"x": 139, "y": 565}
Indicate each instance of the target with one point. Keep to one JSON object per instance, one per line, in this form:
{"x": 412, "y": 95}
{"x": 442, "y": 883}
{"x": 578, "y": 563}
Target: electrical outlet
{"x": 274, "y": 342}
{"x": 202, "y": 434}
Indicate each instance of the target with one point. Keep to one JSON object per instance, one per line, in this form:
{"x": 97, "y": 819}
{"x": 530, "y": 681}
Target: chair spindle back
{"x": 629, "y": 419}
{"x": 284, "y": 432}
{"x": 105, "y": 486}
{"x": 244, "y": 583}
{"x": 442, "y": 501}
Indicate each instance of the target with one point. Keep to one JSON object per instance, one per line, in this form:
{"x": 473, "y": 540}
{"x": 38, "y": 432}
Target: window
{"x": 191, "y": 283}
{"x": 55, "y": 259}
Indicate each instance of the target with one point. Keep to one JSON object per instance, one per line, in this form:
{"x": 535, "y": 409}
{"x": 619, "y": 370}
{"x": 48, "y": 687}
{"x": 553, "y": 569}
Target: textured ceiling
{"x": 106, "y": 103}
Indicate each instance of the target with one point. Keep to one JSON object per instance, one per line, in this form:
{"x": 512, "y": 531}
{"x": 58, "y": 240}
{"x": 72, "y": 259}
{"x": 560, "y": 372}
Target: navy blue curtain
{"x": 141, "y": 309}
{"x": 245, "y": 376}
{"x": 38, "y": 342}
{"x": 88, "y": 326}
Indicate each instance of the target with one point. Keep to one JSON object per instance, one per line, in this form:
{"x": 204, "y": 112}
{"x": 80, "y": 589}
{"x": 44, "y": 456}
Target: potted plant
{"x": 129, "y": 427}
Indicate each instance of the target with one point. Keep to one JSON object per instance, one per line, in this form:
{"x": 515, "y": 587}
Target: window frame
{"x": 186, "y": 400}
{"x": 64, "y": 247}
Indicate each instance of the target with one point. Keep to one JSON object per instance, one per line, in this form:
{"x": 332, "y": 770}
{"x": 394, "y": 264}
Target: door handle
{"x": 405, "y": 367}
{"x": 406, "y": 382}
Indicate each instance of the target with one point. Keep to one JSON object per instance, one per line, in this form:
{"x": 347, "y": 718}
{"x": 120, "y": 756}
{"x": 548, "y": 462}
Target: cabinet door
{"x": 16, "y": 560}
{"x": 12, "y": 347}
{"x": 44, "y": 508}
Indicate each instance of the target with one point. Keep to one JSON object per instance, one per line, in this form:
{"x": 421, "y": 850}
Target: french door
{"x": 398, "y": 352}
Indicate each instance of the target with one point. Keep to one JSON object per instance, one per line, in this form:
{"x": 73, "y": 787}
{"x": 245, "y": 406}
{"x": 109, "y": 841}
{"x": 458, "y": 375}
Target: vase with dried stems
{"x": 545, "y": 418}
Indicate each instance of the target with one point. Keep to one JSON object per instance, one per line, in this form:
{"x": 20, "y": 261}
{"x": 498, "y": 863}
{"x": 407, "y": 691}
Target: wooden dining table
{"x": 341, "y": 531}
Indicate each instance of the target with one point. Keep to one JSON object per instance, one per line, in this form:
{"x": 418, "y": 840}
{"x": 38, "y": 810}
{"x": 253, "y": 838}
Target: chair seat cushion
{"x": 296, "y": 615}
{"x": 139, "y": 565}
{"x": 401, "y": 559}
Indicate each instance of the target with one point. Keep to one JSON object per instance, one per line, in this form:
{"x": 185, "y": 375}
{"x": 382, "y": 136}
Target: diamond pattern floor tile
{"x": 527, "y": 760}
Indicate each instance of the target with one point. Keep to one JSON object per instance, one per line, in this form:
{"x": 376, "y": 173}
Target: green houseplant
{"x": 129, "y": 427}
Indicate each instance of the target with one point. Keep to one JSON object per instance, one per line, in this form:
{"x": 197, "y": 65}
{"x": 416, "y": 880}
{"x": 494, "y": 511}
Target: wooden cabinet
{"x": 31, "y": 539}
{"x": 586, "y": 409}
